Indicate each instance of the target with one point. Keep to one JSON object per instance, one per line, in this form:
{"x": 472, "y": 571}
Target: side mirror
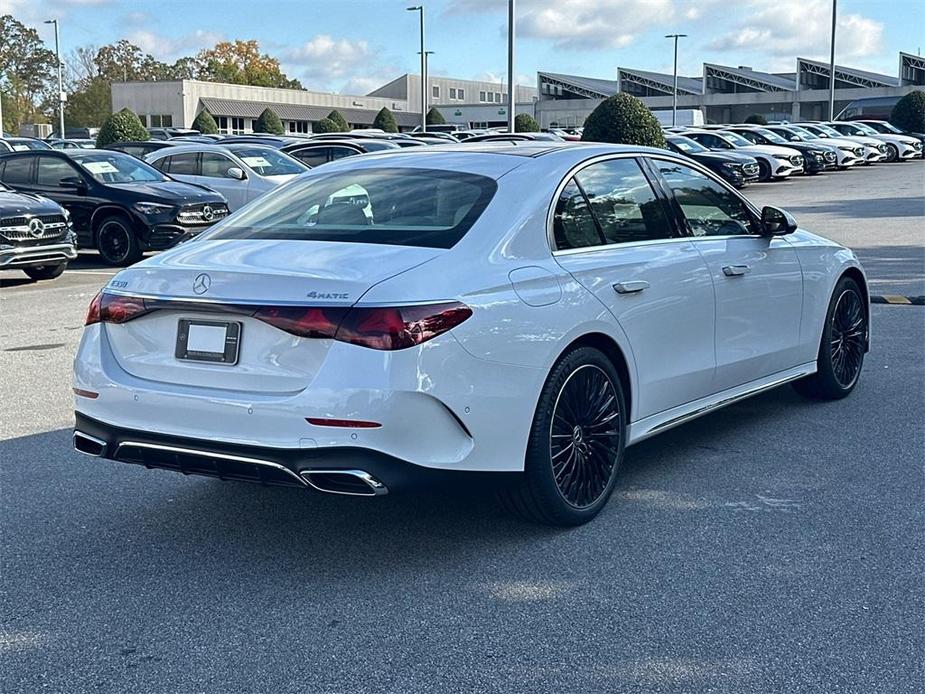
{"x": 777, "y": 222}
{"x": 235, "y": 173}
{"x": 75, "y": 182}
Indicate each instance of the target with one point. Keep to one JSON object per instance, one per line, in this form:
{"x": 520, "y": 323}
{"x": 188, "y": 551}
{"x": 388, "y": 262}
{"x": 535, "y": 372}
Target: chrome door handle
{"x": 736, "y": 270}
{"x": 630, "y": 287}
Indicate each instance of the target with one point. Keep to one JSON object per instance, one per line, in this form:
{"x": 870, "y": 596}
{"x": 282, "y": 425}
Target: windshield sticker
{"x": 100, "y": 167}
{"x": 20, "y": 148}
{"x": 255, "y": 162}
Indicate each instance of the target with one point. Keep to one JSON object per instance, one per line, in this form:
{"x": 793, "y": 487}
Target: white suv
{"x": 899, "y": 147}
{"x": 774, "y": 161}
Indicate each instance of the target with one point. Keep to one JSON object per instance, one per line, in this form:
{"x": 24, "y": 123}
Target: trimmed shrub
{"x": 384, "y": 120}
{"x": 525, "y": 123}
{"x": 756, "y": 119}
{"x": 909, "y": 112}
{"x": 326, "y": 125}
{"x": 205, "y": 123}
{"x": 434, "y": 117}
{"x": 341, "y": 122}
{"x": 120, "y": 127}
{"x": 623, "y": 119}
{"x": 268, "y": 122}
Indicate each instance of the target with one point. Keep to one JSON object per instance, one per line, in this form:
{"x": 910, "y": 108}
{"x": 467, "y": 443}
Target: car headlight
{"x": 152, "y": 209}
{"x": 729, "y": 166}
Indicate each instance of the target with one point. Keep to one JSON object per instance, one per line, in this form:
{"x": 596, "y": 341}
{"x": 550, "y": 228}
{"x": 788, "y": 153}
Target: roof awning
{"x": 299, "y": 112}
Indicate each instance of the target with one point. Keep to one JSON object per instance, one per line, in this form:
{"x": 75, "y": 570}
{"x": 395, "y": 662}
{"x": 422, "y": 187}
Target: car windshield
{"x": 803, "y": 133}
{"x": 687, "y": 145}
{"x": 866, "y": 129}
{"x": 24, "y": 145}
{"x": 266, "y": 161}
{"x": 831, "y": 132}
{"x": 885, "y": 127}
{"x": 771, "y": 136}
{"x": 737, "y": 140}
{"x": 116, "y": 167}
{"x": 395, "y": 206}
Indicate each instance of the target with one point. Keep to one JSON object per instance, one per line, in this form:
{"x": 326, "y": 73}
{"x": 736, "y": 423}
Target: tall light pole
{"x": 420, "y": 8}
{"x": 674, "y": 92}
{"x": 511, "y": 89}
{"x": 60, "y": 81}
{"x": 832, "y": 68}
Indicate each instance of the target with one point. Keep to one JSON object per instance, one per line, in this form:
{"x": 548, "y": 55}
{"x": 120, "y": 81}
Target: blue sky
{"x": 355, "y": 45}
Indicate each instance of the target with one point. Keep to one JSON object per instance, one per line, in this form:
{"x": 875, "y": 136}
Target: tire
{"x": 764, "y": 171}
{"x": 842, "y": 348}
{"x": 116, "y": 242}
{"x": 892, "y": 152}
{"x": 576, "y": 443}
{"x": 45, "y": 272}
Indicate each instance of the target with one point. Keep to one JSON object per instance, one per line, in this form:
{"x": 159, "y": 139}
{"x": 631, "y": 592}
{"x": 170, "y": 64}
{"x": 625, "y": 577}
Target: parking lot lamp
{"x": 60, "y": 82}
{"x": 674, "y": 91}
{"x": 511, "y": 91}
{"x": 420, "y": 9}
{"x": 832, "y": 67}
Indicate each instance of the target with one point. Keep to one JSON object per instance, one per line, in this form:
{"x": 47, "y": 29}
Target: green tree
{"x": 89, "y": 104}
{"x": 241, "y": 62}
{"x": 27, "y": 73}
{"x": 623, "y": 119}
{"x": 326, "y": 125}
{"x": 123, "y": 61}
{"x": 756, "y": 119}
{"x": 120, "y": 127}
{"x": 205, "y": 123}
{"x": 434, "y": 117}
{"x": 525, "y": 123}
{"x": 384, "y": 120}
{"x": 342, "y": 125}
{"x": 268, "y": 122}
{"x": 909, "y": 112}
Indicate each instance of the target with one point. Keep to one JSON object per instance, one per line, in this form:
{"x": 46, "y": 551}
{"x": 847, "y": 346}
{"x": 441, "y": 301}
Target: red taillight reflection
{"x": 112, "y": 308}
{"x": 400, "y": 327}
{"x": 302, "y": 321}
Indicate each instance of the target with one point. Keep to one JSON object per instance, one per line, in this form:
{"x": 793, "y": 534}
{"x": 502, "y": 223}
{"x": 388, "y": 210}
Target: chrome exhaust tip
{"x": 347, "y": 482}
{"x": 89, "y": 445}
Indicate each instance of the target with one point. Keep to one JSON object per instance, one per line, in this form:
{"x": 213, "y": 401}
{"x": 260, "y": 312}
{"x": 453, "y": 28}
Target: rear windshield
{"x": 401, "y": 207}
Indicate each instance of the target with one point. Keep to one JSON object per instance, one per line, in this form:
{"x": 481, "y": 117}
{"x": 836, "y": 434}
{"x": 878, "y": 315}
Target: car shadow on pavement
{"x": 884, "y": 208}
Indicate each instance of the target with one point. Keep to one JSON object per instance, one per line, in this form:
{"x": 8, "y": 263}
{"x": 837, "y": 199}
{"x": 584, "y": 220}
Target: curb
{"x": 898, "y": 299}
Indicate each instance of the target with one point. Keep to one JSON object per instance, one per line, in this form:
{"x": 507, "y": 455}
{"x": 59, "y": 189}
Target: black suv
{"x": 118, "y": 204}
{"x": 737, "y": 169}
{"x": 35, "y": 235}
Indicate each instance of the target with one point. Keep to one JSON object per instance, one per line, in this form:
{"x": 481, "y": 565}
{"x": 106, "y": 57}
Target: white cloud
{"x": 324, "y": 59}
{"x": 169, "y": 49}
{"x": 791, "y": 28}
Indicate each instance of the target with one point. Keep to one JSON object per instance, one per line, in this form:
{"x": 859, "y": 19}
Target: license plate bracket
{"x": 217, "y": 342}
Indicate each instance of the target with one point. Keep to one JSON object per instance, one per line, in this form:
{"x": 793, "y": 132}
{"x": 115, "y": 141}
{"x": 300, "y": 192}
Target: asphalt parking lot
{"x": 774, "y": 546}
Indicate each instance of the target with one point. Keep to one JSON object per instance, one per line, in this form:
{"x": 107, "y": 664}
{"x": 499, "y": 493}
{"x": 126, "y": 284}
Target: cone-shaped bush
{"x": 341, "y": 122}
{"x": 434, "y": 117}
{"x": 385, "y": 121}
{"x": 623, "y": 119}
{"x": 326, "y": 125}
{"x": 268, "y": 122}
{"x": 525, "y": 123}
{"x": 205, "y": 123}
{"x": 120, "y": 127}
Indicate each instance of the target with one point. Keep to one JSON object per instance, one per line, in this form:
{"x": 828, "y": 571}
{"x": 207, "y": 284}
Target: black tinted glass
{"x": 710, "y": 208}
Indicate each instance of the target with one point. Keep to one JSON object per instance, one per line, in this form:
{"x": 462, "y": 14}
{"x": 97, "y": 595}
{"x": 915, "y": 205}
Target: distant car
{"x": 882, "y": 126}
{"x": 899, "y": 147}
{"x": 869, "y": 107}
{"x": 241, "y": 172}
{"x": 874, "y": 150}
{"x": 434, "y": 136}
{"x": 451, "y": 128}
{"x": 847, "y": 153}
{"x": 118, "y": 204}
{"x": 816, "y": 157}
{"x": 140, "y": 148}
{"x": 35, "y": 235}
{"x": 514, "y": 137}
{"x": 168, "y": 132}
{"x": 274, "y": 141}
{"x": 189, "y": 139}
{"x": 774, "y": 162}
{"x": 23, "y": 144}
{"x": 564, "y": 134}
{"x": 74, "y": 143}
{"x": 736, "y": 169}
{"x": 316, "y": 152}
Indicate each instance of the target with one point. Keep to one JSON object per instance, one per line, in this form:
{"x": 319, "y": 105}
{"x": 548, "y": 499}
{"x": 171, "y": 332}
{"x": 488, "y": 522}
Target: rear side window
{"x": 395, "y": 206}
{"x": 183, "y": 164}
{"x": 313, "y": 156}
{"x": 17, "y": 171}
{"x": 573, "y": 226}
{"x": 52, "y": 169}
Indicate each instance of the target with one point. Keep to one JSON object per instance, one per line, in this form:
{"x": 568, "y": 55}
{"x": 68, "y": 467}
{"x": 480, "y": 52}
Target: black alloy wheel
{"x": 764, "y": 171}
{"x": 117, "y": 242}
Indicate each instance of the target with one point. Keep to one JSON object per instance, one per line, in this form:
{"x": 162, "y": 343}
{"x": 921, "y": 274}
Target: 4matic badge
{"x": 327, "y": 295}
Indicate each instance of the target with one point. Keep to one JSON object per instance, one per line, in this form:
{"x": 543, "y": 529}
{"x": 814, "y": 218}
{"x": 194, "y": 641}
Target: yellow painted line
{"x": 895, "y": 299}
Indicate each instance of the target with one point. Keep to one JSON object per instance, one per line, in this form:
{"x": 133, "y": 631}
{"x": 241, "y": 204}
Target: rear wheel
{"x": 45, "y": 272}
{"x": 117, "y": 242}
{"x": 892, "y": 152}
{"x": 576, "y": 443}
{"x": 843, "y": 345}
{"x": 764, "y": 171}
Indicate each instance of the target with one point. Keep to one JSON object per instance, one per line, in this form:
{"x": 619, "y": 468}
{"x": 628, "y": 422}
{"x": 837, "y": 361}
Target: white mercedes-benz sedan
{"x": 511, "y": 314}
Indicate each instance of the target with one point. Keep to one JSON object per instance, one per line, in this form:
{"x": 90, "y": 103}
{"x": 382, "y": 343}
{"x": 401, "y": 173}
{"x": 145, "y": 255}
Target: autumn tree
{"x": 27, "y": 73}
{"x": 241, "y": 62}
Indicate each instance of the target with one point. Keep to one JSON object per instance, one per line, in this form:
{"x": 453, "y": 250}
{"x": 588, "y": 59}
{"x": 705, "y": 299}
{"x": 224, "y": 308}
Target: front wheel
{"x": 45, "y": 272}
{"x": 576, "y": 443}
{"x": 892, "y": 152}
{"x": 843, "y": 345}
{"x": 764, "y": 171}
{"x": 117, "y": 242}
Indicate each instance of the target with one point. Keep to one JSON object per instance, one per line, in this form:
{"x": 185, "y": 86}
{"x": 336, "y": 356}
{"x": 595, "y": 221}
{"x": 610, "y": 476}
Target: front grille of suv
{"x": 197, "y": 214}
{"x": 750, "y": 169}
{"x": 18, "y": 228}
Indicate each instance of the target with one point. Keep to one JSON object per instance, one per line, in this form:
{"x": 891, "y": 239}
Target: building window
{"x": 161, "y": 121}
{"x": 482, "y": 96}
{"x": 452, "y": 93}
{"x": 461, "y": 94}
{"x": 298, "y": 126}
{"x": 237, "y": 126}
{"x": 144, "y": 119}
{"x": 435, "y": 90}
{"x": 222, "y": 123}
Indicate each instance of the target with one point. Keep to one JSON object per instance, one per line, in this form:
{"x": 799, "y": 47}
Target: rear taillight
{"x": 303, "y": 321}
{"x": 401, "y": 326}
{"x": 112, "y": 308}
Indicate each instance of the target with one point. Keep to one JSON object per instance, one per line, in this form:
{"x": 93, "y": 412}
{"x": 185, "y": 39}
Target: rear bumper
{"x": 30, "y": 256}
{"x": 286, "y": 467}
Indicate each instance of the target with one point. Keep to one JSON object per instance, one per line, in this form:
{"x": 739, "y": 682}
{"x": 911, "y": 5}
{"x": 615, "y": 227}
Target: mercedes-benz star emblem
{"x": 202, "y": 283}
{"x": 207, "y": 213}
{"x": 36, "y": 227}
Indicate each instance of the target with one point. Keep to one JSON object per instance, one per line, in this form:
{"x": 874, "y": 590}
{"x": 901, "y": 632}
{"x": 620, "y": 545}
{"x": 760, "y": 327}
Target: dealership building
{"x": 236, "y": 107}
{"x": 727, "y": 94}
